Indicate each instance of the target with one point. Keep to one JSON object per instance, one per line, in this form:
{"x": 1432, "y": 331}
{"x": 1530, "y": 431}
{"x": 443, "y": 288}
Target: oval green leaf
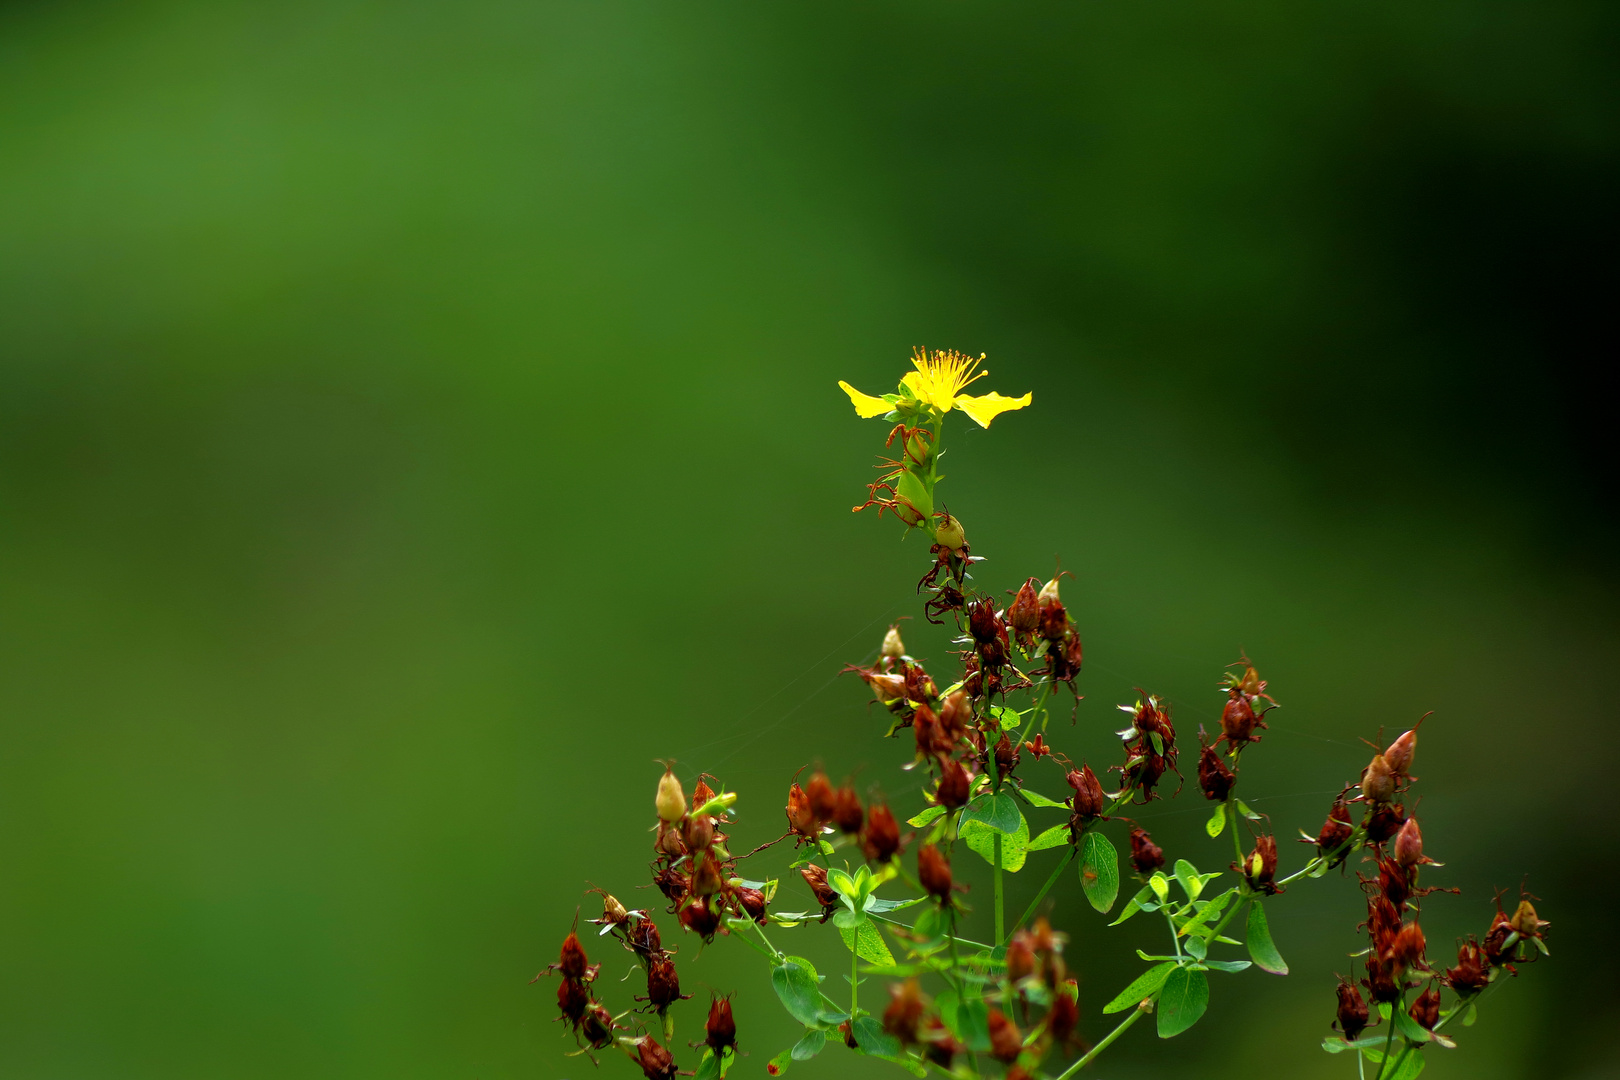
{"x": 1142, "y": 986}
{"x": 1182, "y": 1001}
{"x": 1261, "y": 949}
{"x": 795, "y": 983}
{"x": 1099, "y": 870}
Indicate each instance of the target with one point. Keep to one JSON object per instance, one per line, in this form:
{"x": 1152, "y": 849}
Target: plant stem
{"x": 1062, "y": 865}
{"x": 1389, "y": 1040}
{"x": 854, "y": 984}
{"x": 1107, "y": 1040}
{"x": 995, "y": 846}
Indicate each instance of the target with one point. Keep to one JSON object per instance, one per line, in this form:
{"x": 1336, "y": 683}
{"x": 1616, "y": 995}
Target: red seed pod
{"x": 707, "y": 877}
{"x": 1378, "y": 781}
{"x": 702, "y": 917}
{"x": 1497, "y": 948}
{"x": 1394, "y": 882}
{"x": 663, "y": 984}
{"x": 954, "y": 714}
{"x": 939, "y": 1046}
{"x": 1353, "y": 1012}
{"x": 1472, "y": 973}
{"x": 721, "y": 1030}
{"x": 934, "y": 872}
{"x": 1088, "y": 801}
{"x": 597, "y": 1027}
{"x": 881, "y": 838}
{"x": 1385, "y": 822}
{"x": 1024, "y": 614}
{"x": 668, "y": 842}
{"x": 1406, "y": 951}
{"x": 672, "y": 883}
{"x": 656, "y": 1062}
{"x": 1073, "y": 654}
{"x": 905, "y": 1011}
{"x": 1261, "y": 865}
{"x": 572, "y": 963}
{"x": 1006, "y": 755}
{"x": 931, "y": 738}
{"x": 985, "y": 624}
{"x": 1006, "y": 1041}
{"x": 1146, "y": 856}
{"x": 572, "y": 999}
{"x": 1409, "y": 845}
{"x": 801, "y": 818}
{"x": 752, "y": 902}
{"x": 1054, "y": 618}
{"x": 1426, "y": 1009}
{"x": 1020, "y": 957}
{"x": 697, "y": 833}
{"x": 1400, "y": 752}
{"x": 820, "y": 793}
{"x": 1215, "y": 780}
{"x": 643, "y": 938}
{"x": 847, "y": 813}
{"x": 1335, "y": 831}
{"x": 1383, "y": 982}
{"x": 954, "y": 785}
{"x": 816, "y": 877}
{"x": 1238, "y": 720}
{"x": 1063, "y": 1016}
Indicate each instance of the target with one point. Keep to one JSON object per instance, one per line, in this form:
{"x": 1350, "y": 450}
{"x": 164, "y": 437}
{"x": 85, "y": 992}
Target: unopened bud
{"x": 816, "y": 877}
{"x": 1426, "y": 1009}
{"x": 934, "y": 872}
{"x": 820, "y": 793}
{"x": 1525, "y": 920}
{"x": 847, "y": 813}
{"x": 1409, "y": 844}
{"x": 1400, "y": 752}
{"x": 905, "y": 1011}
{"x": 1089, "y": 801}
{"x": 612, "y": 910}
{"x": 1146, "y": 856}
{"x": 698, "y": 832}
{"x": 949, "y": 533}
{"x": 1024, "y": 614}
{"x": 706, "y": 876}
{"x": 893, "y": 647}
{"x": 1353, "y": 1012}
{"x": 663, "y": 984}
{"x": 880, "y": 840}
{"x": 656, "y": 1062}
{"x": 1049, "y": 593}
{"x": 1378, "y": 780}
{"x": 801, "y": 819}
{"x": 671, "y": 798}
{"x": 721, "y": 1029}
{"x": 954, "y": 785}
{"x": 1006, "y": 1042}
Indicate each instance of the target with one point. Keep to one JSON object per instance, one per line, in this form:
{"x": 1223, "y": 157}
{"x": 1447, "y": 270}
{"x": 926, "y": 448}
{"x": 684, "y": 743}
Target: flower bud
{"x": 1261, "y": 865}
{"x": 1409, "y": 844}
{"x": 1406, "y": 950}
{"x": 1353, "y": 1010}
{"x": 1237, "y": 719}
{"x": 572, "y": 999}
{"x": 706, "y": 876}
{"x": 949, "y": 533}
{"x": 954, "y": 785}
{"x": 905, "y": 1011}
{"x": 701, "y": 794}
{"x": 1063, "y": 1015}
{"x": 663, "y": 984}
{"x": 1399, "y": 754}
{"x": 881, "y": 838}
{"x": 939, "y": 1046}
{"x": 1214, "y": 778}
{"x": 1020, "y": 957}
{"x": 1006, "y": 1042}
{"x": 1251, "y": 683}
{"x": 934, "y": 872}
{"x": 954, "y": 713}
{"x": 644, "y": 939}
{"x": 671, "y": 799}
{"x": 1049, "y": 593}
{"x": 816, "y": 877}
{"x": 1024, "y": 614}
{"x": 1472, "y": 973}
{"x": 572, "y": 964}
{"x": 1146, "y": 856}
{"x": 697, "y": 833}
{"x": 1385, "y": 822}
{"x": 801, "y": 819}
{"x": 656, "y": 1062}
{"x": 1006, "y": 756}
{"x": 847, "y": 813}
{"x": 597, "y": 1027}
{"x": 984, "y": 623}
{"x": 1426, "y": 1009}
{"x": 893, "y": 647}
{"x": 702, "y": 918}
{"x": 669, "y": 842}
{"x": 721, "y": 1030}
{"x": 1089, "y": 801}
{"x": 820, "y": 793}
{"x": 752, "y": 901}
{"x": 1378, "y": 780}
{"x": 1526, "y": 921}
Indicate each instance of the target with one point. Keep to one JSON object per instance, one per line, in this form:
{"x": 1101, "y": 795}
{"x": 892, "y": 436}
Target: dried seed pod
{"x": 1426, "y": 1009}
{"x": 752, "y": 903}
{"x": 702, "y": 917}
{"x": 656, "y": 1062}
{"x": 934, "y": 872}
{"x": 847, "y": 813}
{"x": 1006, "y": 756}
{"x": 1261, "y": 865}
{"x": 1215, "y": 780}
{"x": 572, "y": 1000}
{"x": 816, "y": 877}
{"x": 707, "y": 877}
{"x": 801, "y": 818}
{"x": 1353, "y": 1012}
{"x": 597, "y": 1027}
{"x": 1146, "y": 856}
{"x": 905, "y": 1011}
{"x": 671, "y": 799}
{"x": 1385, "y": 822}
{"x": 572, "y": 962}
{"x": 1006, "y": 1041}
{"x": 663, "y": 984}
{"x": 1238, "y": 719}
{"x": 1063, "y": 1016}
{"x": 939, "y": 1046}
{"x": 1405, "y": 952}
{"x": 668, "y": 842}
{"x": 1472, "y": 973}
{"x": 1378, "y": 781}
{"x": 720, "y": 1032}
{"x": 1400, "y": 752}
{"x": 1335, "y": 831}
{"x": 1024, "y": 613}
{"x": 819, "y": 791}
{"x": 1088, "y": 801}
{"x": 701, "y": 793}
{"x": 1409, "y": 845}
{"x": 697, "y": 832}
{"x": 1020, "y": 957}
{"x": 932, "y": 741}
{"x": 954, "y": 713}
{"x": 643, "y": 938}
{"x": 880, "y": 840}
{"x": 954, "y": 787}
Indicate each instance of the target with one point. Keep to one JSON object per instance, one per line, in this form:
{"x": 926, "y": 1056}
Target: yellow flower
{"x": 938, "y": 382}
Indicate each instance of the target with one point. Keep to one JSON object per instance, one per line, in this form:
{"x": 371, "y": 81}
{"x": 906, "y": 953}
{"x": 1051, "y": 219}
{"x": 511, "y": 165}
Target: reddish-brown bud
{"x": 939, "y": 1046}
{"x": 669, "y": 842}
{"x": 1214, "y": 778}
{"x": 1020, "y": 957}
{"x": 1006, "y": 1042}
{"x": 701, "y": 793}
{"x": 672, "y": 883}
{"x": 573, "y": 963}
{"x": 1024, "y": 614}
{"x": 1089, "y": 801}
{"x": 880, "y": 840}
{"x": 1146, "y": 856}
{"x": 801, "y": 818}
{"x": 697, "y": 833}
{"x": 597, "y": 1027}
{"x": 1261, "y": 865}
{"x": 905, "y": 1011}
{"x": 1496, "y": 947}
{"x": 1409, "y": 845}
{"x": 931, "y": 738}
{"x": 934, "y": 872}
{"x": 644, "y": 939}
{"x": 701, "y": 917}
{"x": 1426, "y": 1009}
{"x": 1335, "y": 830}
{"x": 721, "y": 1029}
{"x": 1406, "y": 951}
{"x": 816, "y": 877}
{"x": 1353, "y": 1012}
{"x": 1006, "y": 755}
{"x": 954, "y": 785}
{"x": 1378, "y": 780}
{"x": 663, "y": 984}
{"x": 572, "y": 998}
{"x": 819, "y": 791}
{"x": 847, "y": 813}
{"x": 1054, "y": 618}
{"x": 1400, "y": 752}
{"x": 1238, "y": 719}
{"x": 752, "y": 902}
{"x": 707, "y": 878}
{"x": 656, "y": 1062}
{"x": 1472, "y": 973}
{"x": 1385, "y": 822}
{"x": 984, "y": 623}
{"x": 954, "y": 713}
{"x": 1063, "y": 1016}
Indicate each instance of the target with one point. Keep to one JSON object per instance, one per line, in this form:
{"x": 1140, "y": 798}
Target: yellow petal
{"x": 923, "y": 388}
{"x": 866, "y": 406}
{"x": 987, "y": 407}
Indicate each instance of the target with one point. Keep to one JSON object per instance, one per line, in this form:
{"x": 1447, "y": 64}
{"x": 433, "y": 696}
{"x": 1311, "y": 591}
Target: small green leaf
{"x": 882, "y": 906}
{"x": 1196, "y": 948}
{"x": 809, "y": 1046}
{"x": 1217, "y": 821}
{"x": 1099, "y": 871}
{"x": 1410, "y": 1028}
{"x": 1407, "y": 1067}
{"x": 779, "y": 1064}
{"x": 973, "y": 1023}
{"x": 1470, "y": 1016}
{"x": 997, "y": 810}
{"x": 795, "y": 983}
{"x": 1187, "y": 875}
{"x": 1035, "y": 798}
{"x": 1232, "y": 966}
{"x": 1261, "y": 950}
{"x": 1158, "y": 742}
{"x": 1243, "y": 808}
{"x": 1056, "y": 836}
{"x": 1160, "y": 885}
{"x": 1135, "y": 905}
{"x": 866, "y": 942}
{"x": 709, "y": 1067}
{"x": 1182, "y": 1001}
{"x": 981, "y": 839}
{"x": 870, "y": 1038}
{"x": 1007, "y": 718}
{"x": 926, "y": 817}
{"x": 1142, "y": 986}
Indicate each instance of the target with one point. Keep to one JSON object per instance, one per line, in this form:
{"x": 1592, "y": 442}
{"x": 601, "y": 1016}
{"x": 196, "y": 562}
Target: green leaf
{"x": 709, "y": 1067}
{"x": 1410, "y": 1028}
{"x": 1335, "y": 1044}
{"x": 1233, "y": 966}
{"x": 809, "y": 1046}
{"x": 981, "y": 839}
{"x": 997, "y": 810}
{"x": 1158, "y": 742}
{"x": 882, "y": 906}
{"x": 1160, "y": 885}
{"x": 1007, "y": 718}
{"x": 1243, "y": 808}
{"x": 1207, "y": 913}
{"x": 1056, "y": 836}
{"x": 973, "y": 1023}
{"x": 927, "y": 816}
{"x": 795, "y": 983}
{"x": 1196, "y": 948}
{"x": 1035, "y": 798}
{"x": 1182, "y": 1001}
{"x": 911, "y": 489}
{"x": 1099, "y": 870}
{"x": 779, "y": 1064}
{"x": 865, "y": 942}
{"x": 1136, "y": 904}
{"x": 1187, "y": 875}
{"x": 1261, "y": 950}
{"x": 1407, "y": 1067}
{"x": 1217, "y": 822}
{"x": 872, "y": 1039}
{"x": 1142, "y": 986}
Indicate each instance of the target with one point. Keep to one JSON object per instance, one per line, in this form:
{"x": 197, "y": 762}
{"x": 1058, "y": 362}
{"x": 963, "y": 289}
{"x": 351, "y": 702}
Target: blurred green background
{"x": 416, "y": 419}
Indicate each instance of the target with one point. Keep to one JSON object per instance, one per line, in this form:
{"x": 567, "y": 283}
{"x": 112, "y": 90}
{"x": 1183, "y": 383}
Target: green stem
{"x": 1463, "y": 1006}
{"x": 1062, "y": 865}
{"x": 995, "y": 846}
{"x": 854, "y": 985}
{"x": 1107, "y": 1040}
{"x": 1389, "y": 1040}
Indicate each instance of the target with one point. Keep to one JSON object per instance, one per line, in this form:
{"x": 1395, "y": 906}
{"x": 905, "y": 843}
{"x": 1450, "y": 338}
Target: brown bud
{"x": 643, "y": 938}
{"x": 1406, "y": 950}
{"x": 1496, "y": 947}
{"x": 1335, "y": 830}
{"x": 1426, "y": 1009}
{"x": 1146, "y": 856}
{"x": 707, "y": 878}
{"x": 1024, "y": 614}
{"x": 1006, "y": 755}
{"x": 1378, "y": 780}
{"x": 668, "y": 841}
{"x": 701, "y": 793}
{"x": 597, "y": 1027}
{"x": 752, "y": 901}
{"x": 1472, "y": 973}
{"x": 697, "y": 833}
{"x": 1238, "y": 719}
{"x": 934, "y": 872}
{"x": 1006, "y": 1042}
{"x": 847, "y": 813}
{"x": 721, "y": 1029}
{"x": 663, "y": 984}
{"x": 1385, "y": 822}
{"x": 1063, "y": 1016}
{"x": 573, "y": 964}
{"x": 671, "y": 799}
{"x": 954, "y": 785}
{"x": 1400, "y": 752}
{"x": 939, "y": 1046}
{"x": 930, "y": 739}
{"x": 1089, "y": 801}
{"x": 905, "y": 1011}
{"x": 1409, "y": 845}
{"x": 816, "y": 877}
{"x": 1353, "y": 1010}
{"x": 881, "y": 838}
{"x": 702, "y": 917}
{"x": 572, "y": 998}
{"x": 801, "y": 818}
{"x": 984, "y": 623}
{"x": 672, "y": 883}
{"x": 954, "y": 713}
{"x": 1261, "y": 865}
{"x": 820, "y": 793}
{"x": 1020, "y": 957}
{"x": 1214, "y": 778}
{"x": 656, "y": 1062}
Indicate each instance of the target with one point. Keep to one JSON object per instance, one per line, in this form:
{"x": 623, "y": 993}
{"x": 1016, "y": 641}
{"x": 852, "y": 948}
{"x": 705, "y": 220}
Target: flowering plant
{"x": 954, "y": 1004}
